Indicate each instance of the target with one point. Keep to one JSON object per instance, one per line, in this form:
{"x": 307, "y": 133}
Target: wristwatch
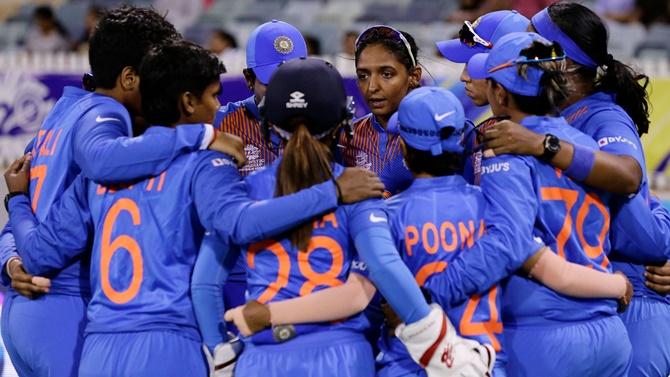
{"x": 552, "y": 145}
{"x": 11, "y": 195}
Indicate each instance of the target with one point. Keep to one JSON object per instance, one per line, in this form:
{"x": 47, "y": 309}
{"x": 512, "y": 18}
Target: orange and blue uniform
{"x": 144, "y": 239}
{"x": 243, "y": 120}
{"x": 647, "y": 319}
{"x": 277, "y": 270}
{"x": 546, "y": 333}
{"x": 432, "y": 222}
{"x": 85, "y": 133}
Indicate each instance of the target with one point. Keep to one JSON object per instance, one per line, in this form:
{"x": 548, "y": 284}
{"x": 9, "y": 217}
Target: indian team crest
{"x": 283, "y": 45}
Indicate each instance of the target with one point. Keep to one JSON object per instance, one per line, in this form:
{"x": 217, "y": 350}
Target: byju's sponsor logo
{"x": 615, "y": 139}
{"x": 494, "y": 168}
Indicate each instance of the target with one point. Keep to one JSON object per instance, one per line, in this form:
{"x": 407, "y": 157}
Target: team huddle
{"x": 154, "y": 232}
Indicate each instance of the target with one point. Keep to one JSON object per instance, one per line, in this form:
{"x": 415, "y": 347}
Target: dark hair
{"x": 226, "y": 36}
{"x": 554, "y": 88}
{"x": 396, "y": 47}
{"x": 46, "y": 13}
{"x": 652, "y": 11}
{"x": 588, "y": 31}
{"x": 443, "y": 164}
{"x": 313, "y": 45}
{"x": 122, "y": 37}
{"x": 305, "y": 162}
{"x": 170, "y": 70}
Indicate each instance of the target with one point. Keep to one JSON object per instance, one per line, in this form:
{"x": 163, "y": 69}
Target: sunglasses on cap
{"x": 470, "y": 38}
{"x": 537, "y": 53}
{"x": 386, "y": 32}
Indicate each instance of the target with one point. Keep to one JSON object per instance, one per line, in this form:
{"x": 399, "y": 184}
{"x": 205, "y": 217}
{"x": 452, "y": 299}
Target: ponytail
{"x": 554, "y": 85}
{"x": 630, "y": 89}
{"x": 305, "y": 162}
{"x": 553, "y": 92}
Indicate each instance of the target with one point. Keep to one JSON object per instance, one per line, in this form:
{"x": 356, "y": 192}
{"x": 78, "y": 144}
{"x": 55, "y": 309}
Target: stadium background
{"x": 32, "y": 80}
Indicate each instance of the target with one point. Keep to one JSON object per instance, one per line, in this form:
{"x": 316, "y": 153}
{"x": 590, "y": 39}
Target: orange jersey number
{"x": 466, "y": 326}
{"x": 38, "y": 172}
{"x": 314, "y": 279}
{"x": 570, "y": 197}
{"x": 490, "y": 328}
{"x": 110, "y": 246}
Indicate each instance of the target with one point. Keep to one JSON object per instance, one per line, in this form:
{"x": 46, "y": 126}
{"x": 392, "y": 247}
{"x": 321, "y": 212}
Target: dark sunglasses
{"x": 386, "y": 32}
{"x": 470, "y": 38}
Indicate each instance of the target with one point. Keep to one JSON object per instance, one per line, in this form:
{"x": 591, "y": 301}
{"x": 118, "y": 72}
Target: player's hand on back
{"x": 357, "y": 184}
{"x": 624, "y": 301}
{"x": 25, "y": 284}
{"x": 658, "y": 278}
{"x": 231, "y": 145}
{"x": 17, "y": 175}
{"x": 507, "y": 137}
{"x": 434, "y": 344}
{"x": 249, "y": 318}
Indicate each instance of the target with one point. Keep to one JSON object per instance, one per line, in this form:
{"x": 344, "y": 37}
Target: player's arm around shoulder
{"x": 48, "y": 246}
{"x": 511, "y": 203}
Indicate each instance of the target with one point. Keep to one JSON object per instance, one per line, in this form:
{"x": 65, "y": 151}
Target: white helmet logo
{"x": 297, "y": 101}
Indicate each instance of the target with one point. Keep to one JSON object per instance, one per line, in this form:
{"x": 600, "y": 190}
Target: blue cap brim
{"x": 477, "y": 67}
{"x": 456, "y": 51}
{"x": 264, "y": 73}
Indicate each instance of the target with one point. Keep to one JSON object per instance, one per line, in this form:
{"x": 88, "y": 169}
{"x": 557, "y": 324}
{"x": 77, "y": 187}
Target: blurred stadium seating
{"x": 325, "y": 19}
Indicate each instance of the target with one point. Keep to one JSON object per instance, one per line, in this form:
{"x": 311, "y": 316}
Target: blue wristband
{"x": 583, "y": 159}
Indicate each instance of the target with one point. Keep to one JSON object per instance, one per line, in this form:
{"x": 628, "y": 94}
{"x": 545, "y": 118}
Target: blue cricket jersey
{"x": 606, "y": 122}
{"x": 375, "y": 149}
{"x": 146, "y": 236}
{"x": 528, "y": 199}
{"x": 90, "y": 133}
{"x": 432, "y": 222}
{"x": 569, "y": 218}
{"x": 243, "y": 119}
{"x": 277, "y": 270}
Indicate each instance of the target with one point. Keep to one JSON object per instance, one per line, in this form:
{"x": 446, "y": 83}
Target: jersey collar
{"x": 447, "y": 181}
{"x": 252, "y": 107}
{"x": 584, "y": 102}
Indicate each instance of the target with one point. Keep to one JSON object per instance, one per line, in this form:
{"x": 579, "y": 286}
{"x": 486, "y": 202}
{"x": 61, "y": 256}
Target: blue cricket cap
{"x": 431, "y": 119}
{"x": 272, "y": 43}
{"x": 501, "y": 64}
{"x": 489, "y": 27}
